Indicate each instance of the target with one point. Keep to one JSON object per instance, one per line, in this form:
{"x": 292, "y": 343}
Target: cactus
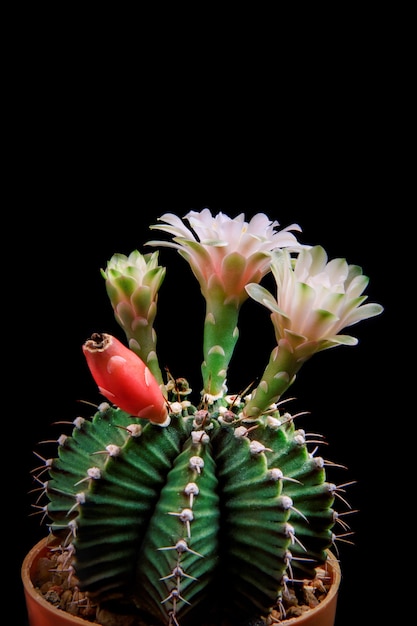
{"x": 180, "y": 513}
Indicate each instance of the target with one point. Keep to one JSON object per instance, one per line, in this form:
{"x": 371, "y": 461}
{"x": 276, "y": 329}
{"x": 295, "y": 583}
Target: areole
{"x": 43, "y": 613}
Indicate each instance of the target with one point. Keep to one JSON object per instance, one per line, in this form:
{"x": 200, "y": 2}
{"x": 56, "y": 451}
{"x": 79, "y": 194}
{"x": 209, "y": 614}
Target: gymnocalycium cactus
{"x": 179, "y": 514}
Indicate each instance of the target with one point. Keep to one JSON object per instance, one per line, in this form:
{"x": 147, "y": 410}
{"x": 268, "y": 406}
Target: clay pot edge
{"x": 32, "y": 595}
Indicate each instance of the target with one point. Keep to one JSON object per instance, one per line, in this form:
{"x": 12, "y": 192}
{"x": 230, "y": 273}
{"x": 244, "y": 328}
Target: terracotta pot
{"x": 324, "y": 614}
{"x": 42, "y": 613}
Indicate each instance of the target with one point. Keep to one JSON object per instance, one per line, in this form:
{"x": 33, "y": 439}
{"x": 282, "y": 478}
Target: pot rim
{"x": 35, "y": 551}
{"x": 29, "y": 588}
{"x": 331, "y": 597}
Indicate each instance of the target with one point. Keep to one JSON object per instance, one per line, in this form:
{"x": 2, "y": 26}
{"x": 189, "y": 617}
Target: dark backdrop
{"x": 78, "y": 212}
{"x": 101, "y": 142}
{"x": 107, "y": 124}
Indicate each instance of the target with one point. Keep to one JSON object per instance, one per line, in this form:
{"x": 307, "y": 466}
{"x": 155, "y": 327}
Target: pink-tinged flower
{"x": 124, "y": 379}
{"x": 316, "y": 299}
{"x": 226, "y": 253}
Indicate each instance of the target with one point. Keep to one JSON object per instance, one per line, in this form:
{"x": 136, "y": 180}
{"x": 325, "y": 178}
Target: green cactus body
{"x": 207, "y": 516}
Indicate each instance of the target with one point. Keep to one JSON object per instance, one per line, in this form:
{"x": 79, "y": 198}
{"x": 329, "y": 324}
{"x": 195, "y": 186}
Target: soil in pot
{"x": 51, "y": 594}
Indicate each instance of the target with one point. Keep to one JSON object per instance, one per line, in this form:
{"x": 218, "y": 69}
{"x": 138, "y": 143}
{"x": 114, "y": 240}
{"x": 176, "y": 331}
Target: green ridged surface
{"x": 244, "y": 537}
{"x": 166, "y": 529}
{"x": 311, "y": 516}
{"x": 118, "y": 506}
{"x": 253, "y": 524}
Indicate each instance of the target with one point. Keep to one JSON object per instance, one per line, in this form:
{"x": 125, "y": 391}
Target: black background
{"x": 99, "y": 151}
{"x": 64, "y": 301}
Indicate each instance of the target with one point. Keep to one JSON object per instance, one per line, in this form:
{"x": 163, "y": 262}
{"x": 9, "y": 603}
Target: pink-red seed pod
{"x": 124, "y": 379}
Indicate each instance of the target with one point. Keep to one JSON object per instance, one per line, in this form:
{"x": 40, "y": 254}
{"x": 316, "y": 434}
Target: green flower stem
{"x": 142, "y": 340}
{"x": 220, "y": 337}
{"x": 278, "y": 375}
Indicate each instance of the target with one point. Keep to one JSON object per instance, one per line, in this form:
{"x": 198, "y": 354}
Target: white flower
{"x": 316, "y": 298}
{"x": 225, "y": 252}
